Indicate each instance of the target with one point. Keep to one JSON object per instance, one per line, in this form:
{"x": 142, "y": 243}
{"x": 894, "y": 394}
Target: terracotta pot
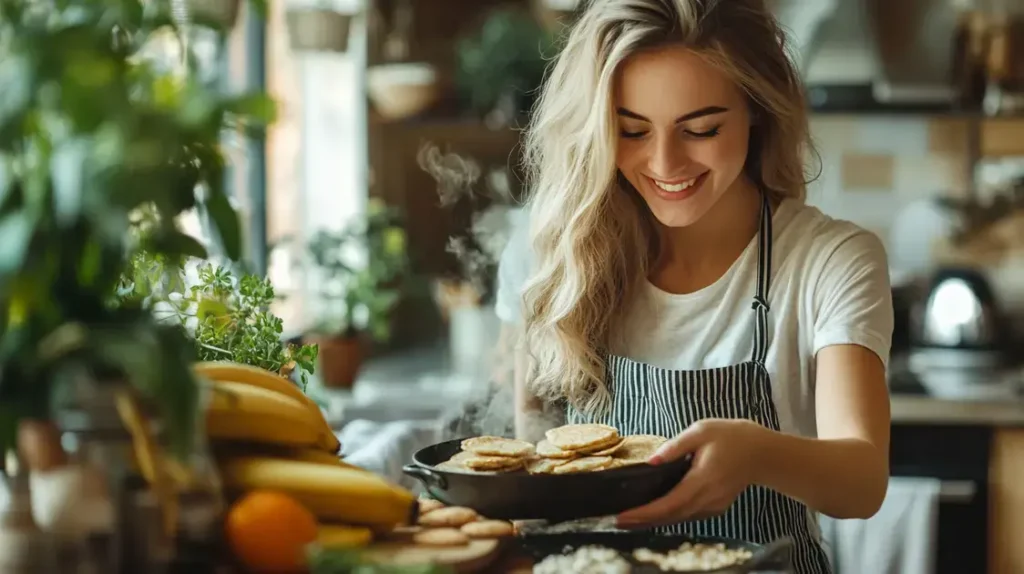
{"x": 318, "y": 30}
{"x": 341, "y": 358}
{"x": 39, "y": 445}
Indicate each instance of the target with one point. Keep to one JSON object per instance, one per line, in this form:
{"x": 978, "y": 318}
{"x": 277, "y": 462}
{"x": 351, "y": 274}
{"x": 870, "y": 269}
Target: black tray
{"x": 774, "y": 557}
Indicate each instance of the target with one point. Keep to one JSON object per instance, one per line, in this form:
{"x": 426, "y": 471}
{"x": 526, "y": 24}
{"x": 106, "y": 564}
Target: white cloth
{"x": 829, "y": 286}
{"x": 384, "y": 448}
{"x": 899, "y": 539}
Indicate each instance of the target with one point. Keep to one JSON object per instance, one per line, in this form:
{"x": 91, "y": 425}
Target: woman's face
{"x": 684, "y": 128}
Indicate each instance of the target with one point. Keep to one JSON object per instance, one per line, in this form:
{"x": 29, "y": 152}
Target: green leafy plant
{"x": 345, "y": 561}
{"x": 227, "y": 317}
{"x": 362, "y": 270}
{"x": 94, "y": 131}
{"x": 504, "y": 60}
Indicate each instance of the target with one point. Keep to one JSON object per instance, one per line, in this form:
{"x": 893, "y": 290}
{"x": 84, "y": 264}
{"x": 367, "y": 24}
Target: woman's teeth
{"x": 675, "y": 187}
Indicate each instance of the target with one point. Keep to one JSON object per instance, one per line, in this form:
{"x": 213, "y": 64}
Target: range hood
{"x": 874, "y": 54}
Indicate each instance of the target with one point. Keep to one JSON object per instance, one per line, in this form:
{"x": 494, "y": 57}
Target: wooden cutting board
{"x": 399, "y": 549}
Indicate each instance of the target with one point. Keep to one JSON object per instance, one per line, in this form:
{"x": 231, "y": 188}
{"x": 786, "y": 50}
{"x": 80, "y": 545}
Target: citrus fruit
{"x": 268, "y": 531}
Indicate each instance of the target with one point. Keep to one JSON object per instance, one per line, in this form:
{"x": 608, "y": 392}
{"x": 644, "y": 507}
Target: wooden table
{"x": 512, "y": 562}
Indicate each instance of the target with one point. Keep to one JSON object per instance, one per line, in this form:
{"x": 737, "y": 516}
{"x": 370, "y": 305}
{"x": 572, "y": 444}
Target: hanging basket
{"x": 223, "y": 13}
{"x": 318, "y": 30}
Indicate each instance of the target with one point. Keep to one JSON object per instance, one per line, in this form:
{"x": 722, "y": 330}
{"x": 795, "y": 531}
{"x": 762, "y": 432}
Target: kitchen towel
{"x": 899, "y": 539}
{"x": 385, "y": 447}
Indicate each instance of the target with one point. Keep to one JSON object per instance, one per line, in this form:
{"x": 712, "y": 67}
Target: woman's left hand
{"x": 724, "y": 453}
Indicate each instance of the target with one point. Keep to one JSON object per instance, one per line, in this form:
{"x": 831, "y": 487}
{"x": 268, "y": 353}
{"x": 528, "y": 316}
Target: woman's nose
{"x": 667, "y": 157}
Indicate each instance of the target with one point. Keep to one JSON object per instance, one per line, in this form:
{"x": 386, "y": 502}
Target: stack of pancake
{"x": 567, "y": 449}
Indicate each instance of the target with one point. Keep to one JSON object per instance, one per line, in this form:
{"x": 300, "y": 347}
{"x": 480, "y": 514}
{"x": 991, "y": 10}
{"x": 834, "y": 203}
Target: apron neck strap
{"x": 764, "y": 276}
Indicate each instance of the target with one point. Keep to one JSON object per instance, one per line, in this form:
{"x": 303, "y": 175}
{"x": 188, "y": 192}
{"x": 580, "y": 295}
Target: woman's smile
{"x": 677, "y": 189}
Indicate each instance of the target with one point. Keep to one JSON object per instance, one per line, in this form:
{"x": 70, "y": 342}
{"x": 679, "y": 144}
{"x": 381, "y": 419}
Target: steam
{"x": 455, "y": 175}
{"x": 490, "y": 409}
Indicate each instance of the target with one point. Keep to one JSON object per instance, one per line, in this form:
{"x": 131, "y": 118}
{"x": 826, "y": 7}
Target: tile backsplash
{"x": 871, "y": 167}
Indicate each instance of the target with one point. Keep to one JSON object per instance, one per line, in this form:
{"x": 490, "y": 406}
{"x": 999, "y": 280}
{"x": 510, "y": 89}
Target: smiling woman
{"x": 671, "y": 281}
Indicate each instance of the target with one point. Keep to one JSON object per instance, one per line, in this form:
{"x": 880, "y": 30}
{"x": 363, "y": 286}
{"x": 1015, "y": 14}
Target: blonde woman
{"x": 671, "y": 280}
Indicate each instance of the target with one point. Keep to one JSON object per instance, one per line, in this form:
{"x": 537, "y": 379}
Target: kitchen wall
{"x": 875, "y": 169}
{"x": 874, "y": 165}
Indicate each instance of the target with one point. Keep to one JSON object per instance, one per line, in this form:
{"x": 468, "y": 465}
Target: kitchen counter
{"x": 422, "y": 385}
{"x": 995, "y": 398}
{"x": 923, "y": 409}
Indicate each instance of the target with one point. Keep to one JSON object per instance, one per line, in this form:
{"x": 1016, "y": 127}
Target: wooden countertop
{"x": 511, "y": 562}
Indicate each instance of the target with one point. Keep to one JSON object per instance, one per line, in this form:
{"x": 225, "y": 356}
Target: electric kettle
{"x": 959, "y": 321}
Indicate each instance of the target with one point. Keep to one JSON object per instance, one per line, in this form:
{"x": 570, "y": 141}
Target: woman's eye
{"x": 632, "y": 135}
{"x": 704, "y": 134}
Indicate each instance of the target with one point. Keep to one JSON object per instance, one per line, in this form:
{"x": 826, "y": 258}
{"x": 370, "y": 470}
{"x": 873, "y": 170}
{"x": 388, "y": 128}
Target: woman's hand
{"x": 724, "y": 453}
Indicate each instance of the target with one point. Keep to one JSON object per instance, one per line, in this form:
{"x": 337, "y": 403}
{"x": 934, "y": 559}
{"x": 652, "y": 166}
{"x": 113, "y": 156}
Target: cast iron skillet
{"x": 555, "y": 498}
{"x": 776, "y": 556}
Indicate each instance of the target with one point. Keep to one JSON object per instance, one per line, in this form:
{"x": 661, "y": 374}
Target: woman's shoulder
{"x": 814, "y": 236}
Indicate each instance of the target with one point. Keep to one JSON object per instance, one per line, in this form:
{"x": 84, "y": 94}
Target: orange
{"x": 268, "y": 532}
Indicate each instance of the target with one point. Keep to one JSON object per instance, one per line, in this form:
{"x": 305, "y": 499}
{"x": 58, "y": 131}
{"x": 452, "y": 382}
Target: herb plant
{"x": 227, "y": 317}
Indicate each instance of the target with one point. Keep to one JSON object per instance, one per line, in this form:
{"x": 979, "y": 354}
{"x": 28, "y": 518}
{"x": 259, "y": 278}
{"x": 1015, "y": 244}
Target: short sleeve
{"x": 513, "y": 271}
{"x": 853, "y": 296}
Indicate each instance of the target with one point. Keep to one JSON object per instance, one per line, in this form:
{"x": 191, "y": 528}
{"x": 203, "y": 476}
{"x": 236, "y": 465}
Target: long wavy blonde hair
{"x": 592, "y": 236}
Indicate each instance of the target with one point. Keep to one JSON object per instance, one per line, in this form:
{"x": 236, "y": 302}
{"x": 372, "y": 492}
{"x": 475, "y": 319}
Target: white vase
{"x": 471, "y": 338}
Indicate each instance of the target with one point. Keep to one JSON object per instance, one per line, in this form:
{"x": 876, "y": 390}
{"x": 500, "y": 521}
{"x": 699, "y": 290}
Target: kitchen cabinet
{"x": 1006, "y": 502}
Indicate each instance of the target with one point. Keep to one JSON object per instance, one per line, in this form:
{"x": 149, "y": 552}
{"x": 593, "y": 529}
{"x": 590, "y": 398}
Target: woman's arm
{"x": 844, "y": 472}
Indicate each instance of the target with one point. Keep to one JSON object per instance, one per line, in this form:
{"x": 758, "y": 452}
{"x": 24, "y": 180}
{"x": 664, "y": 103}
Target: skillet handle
{"x": 778, "y": 554}
{"x": 428, "y": 477}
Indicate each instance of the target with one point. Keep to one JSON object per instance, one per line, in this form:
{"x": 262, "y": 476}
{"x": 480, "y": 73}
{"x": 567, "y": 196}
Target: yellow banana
{"x": 320, "y": 457}
{"x": 338, "y": 536}
{"x": 333, "y": 493}
{"x": 253, "y": 451}
{"x": 228, "y": 371}
{"x": 239, "y": 412}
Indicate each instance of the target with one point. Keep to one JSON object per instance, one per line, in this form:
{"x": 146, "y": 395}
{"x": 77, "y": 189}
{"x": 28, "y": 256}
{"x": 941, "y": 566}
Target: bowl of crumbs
{"x": 641, "y": 553}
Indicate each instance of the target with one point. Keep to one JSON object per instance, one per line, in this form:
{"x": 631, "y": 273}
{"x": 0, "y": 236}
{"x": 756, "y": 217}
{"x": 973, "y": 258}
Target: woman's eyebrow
{"x": 706, "y": 111}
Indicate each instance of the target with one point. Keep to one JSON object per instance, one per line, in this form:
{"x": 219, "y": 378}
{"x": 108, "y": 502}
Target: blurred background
{"x": 917, "y": 118}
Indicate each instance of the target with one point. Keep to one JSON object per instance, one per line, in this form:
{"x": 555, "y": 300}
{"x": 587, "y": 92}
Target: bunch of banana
{"x": 266, "y": 434}
{"x": 253, "y": 405}
{"x": 334, "y": 493}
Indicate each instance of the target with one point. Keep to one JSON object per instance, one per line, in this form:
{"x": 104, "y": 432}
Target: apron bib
{"x": 651, "y": 400}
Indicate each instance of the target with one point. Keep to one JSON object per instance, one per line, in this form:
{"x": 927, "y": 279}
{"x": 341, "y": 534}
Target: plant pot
{"x": 39, "y": 445}
{"x": 223, "y": 13}
{"x": 340, "y": 358}
{"x": 318, "y": 30}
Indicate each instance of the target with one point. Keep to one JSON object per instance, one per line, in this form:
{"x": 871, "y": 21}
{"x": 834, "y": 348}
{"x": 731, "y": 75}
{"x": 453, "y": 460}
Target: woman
{"x": 671, "y": 281}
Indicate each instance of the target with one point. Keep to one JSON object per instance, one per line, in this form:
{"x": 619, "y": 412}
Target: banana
{"x": 240, "y": 412}
{"x": 236, "y": 450}
{"x": 228, "y": 371}
{"x": 337, "y": 536}
{"x": 333, "y": 493}
{"x": 320, "y": 457}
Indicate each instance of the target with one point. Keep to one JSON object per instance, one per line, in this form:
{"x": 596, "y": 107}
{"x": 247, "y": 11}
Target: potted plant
{"x": 360, "y": 277}
{"x": 481, "y": 208}
{"x": 501, "y": 67}
{"x": 91, "y": 134}
{"x": 318, "y": 28}
{"x": 226, "y": 314}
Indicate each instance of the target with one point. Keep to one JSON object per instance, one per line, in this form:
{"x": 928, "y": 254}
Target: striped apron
{"x": 651, "y": 400}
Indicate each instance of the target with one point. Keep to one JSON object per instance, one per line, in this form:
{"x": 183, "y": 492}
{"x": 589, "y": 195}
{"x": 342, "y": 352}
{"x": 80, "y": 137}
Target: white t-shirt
{"x": 829, "y": 286}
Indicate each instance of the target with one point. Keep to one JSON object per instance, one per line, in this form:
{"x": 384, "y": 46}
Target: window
{"x": 317, "y": 166}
